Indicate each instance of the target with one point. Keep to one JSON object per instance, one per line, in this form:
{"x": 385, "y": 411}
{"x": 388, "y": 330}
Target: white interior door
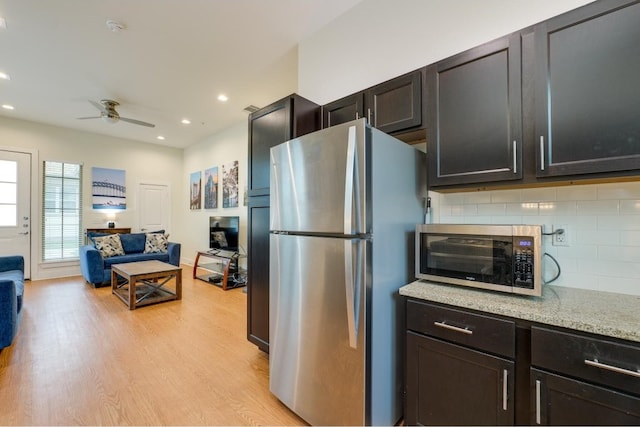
{"x": 154, "y": 207}
{"x": 15, "y": 206}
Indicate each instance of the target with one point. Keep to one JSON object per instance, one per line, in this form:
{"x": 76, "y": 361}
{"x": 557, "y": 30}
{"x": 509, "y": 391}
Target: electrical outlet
{"x": 561, "y": 239}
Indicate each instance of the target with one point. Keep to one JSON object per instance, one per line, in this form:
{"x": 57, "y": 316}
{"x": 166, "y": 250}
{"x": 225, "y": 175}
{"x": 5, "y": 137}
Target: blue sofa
{"x": 97, "y": 270}
{"x": 11, "y": 293}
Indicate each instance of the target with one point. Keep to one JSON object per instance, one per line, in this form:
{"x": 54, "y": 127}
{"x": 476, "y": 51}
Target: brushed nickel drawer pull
{"x": 453, "y": 328}
{"x": 597, "y": 364}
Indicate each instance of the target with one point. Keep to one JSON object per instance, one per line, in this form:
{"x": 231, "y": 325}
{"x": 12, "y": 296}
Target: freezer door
{"x": 317, "y": 339}
{"x": 317, "y": 181}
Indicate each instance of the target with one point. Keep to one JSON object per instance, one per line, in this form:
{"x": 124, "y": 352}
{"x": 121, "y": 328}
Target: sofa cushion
{"x": 156, "y": 243}
{"x": 133, "y": 243}
{"x": 18, "y": 279}
{"x": 108, "y": 262}
{"x": 109, "y": 246}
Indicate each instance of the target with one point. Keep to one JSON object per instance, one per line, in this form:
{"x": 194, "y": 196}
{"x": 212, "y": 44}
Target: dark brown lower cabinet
{"x": 558, "y": 400}
{"x": 448, "y": 384}
{"x": 258, "y": 272}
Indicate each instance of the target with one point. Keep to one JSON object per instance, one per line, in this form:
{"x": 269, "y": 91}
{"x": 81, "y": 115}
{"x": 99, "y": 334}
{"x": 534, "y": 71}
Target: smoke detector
{"x": 115, "y": 26}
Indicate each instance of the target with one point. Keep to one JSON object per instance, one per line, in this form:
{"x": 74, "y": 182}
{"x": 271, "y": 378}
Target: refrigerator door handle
{"x": 351, "y": 185}
{"x": 353, "y": 282}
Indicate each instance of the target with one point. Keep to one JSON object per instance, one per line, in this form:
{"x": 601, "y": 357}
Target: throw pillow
{"x": 156, "y": 243}
{"x": 109, "y": 245}
{"x": 220, "y": 238}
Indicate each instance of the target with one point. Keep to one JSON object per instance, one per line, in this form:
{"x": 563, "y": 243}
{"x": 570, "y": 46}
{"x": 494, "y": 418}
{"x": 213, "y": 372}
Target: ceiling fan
{"x": 109, "y": 114}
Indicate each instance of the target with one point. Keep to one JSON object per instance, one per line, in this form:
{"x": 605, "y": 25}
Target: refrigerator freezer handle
{"x": 351, "y": 185}
{"x": 353, "y": 287}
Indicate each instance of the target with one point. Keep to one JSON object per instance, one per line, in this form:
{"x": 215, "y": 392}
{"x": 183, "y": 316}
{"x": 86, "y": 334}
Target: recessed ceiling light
{"x": 4, "y": 76}
{"x": 160, "y": 137}
{"x": 222, "y": 97}
{"x": 7, "y": 107}
{"x": 3, "y": 24}
{"x": 186, "y": 121}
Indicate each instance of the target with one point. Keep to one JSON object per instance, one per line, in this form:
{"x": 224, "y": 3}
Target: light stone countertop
{"x": 603, "y": 313}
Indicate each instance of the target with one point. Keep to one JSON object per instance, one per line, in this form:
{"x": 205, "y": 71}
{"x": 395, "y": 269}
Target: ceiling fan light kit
{"x": 109, "y": 114}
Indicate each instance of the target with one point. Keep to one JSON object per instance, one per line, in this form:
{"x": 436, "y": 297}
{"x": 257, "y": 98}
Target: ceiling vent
{"x": 251, "y": 109}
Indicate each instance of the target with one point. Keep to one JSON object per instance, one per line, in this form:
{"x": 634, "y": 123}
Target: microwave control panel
{"x": 523, "y": 265}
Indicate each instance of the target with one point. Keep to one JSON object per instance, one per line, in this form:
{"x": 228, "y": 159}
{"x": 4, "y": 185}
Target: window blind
{"x": 62, "y": 211}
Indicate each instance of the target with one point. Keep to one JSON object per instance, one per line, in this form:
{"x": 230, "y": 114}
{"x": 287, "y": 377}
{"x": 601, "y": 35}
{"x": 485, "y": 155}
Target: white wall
{"x": 142, "y": 162}
{"x": 381, "y": 39}
{"x": 216, "y": 150}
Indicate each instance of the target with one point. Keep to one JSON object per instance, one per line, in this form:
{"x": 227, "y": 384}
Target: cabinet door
{"x": 343, "y": 110}
{"x": 447, "y": 384}
{"x": 396, "y": 105}
{"x": 268, "y": 127}
{"x": 474, "y": 115}
{"x": 558, "y": 400}
{"x": 587, "y": 90}
{"x": 258, "y": 272}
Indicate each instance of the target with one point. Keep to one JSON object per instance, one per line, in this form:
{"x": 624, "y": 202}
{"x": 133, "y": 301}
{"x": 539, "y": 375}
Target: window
{"x": 62, "y": 211}
{"x": 8, "y": 193}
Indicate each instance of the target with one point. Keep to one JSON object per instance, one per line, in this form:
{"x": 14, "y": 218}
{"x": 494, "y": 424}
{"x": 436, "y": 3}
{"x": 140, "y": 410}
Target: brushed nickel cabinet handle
{"x": 538, "y": 402}
{"x": 515, "y": 156}
{"x": 541, "y": 152}
{"x": 453, "y": 328}
{"x": 604, "y": 366}
{"x": 504, "y": 389}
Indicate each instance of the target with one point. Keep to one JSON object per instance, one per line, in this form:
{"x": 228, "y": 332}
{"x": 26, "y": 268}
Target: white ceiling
{"x": 171, "y": 62}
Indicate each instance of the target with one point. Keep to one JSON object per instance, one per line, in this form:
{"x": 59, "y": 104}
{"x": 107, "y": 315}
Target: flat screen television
{"x": 223, "y": 232}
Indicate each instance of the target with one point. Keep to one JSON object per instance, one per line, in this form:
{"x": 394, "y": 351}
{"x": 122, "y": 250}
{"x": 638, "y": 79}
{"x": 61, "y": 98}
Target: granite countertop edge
{"x": 602, "y": 313}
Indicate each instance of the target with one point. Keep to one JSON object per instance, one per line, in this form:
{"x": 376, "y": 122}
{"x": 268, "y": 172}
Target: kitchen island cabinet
{"x": 274, "y": 124}
{"x": 576, "y": 355}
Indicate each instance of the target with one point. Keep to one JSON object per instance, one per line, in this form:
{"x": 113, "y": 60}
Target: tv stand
{"x": 219, "y": 267}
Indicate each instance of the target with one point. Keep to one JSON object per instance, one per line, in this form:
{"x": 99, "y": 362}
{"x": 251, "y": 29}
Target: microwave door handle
{"x": 352, "y": 185}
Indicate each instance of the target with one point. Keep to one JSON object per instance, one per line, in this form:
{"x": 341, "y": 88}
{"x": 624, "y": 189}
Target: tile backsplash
{"x": 603, "y": 224}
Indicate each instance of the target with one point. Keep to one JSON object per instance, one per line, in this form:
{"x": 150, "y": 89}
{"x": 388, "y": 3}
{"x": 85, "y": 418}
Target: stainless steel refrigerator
{"x": 344, "y": 205}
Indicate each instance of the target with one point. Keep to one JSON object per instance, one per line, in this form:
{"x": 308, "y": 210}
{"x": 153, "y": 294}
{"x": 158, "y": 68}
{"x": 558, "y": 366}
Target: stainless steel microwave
{"x": 506, "y": 258}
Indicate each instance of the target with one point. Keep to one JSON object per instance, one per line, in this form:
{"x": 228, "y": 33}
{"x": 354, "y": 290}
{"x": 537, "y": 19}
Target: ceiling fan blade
{"x": 93, "y": 117}
{"x": 98, "y": 106}
{"x": 137, "y": 122}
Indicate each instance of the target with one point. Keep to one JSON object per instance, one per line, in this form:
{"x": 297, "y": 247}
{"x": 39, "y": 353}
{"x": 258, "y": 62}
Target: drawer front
{"x": 597, "y": 360}
{"x": 486, "y": 333}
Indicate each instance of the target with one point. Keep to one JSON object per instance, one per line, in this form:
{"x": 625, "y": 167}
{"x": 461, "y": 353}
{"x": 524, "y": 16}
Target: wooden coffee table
{"x": 145, "y": 282}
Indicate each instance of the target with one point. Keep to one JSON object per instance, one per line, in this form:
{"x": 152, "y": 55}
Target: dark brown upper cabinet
{"x": 587, "y": 91}
{"x": 474, "y": 115}
{"x": 343, "y": 110}
{"x": 394, "y": 106}
{"x": 274, "y": 124}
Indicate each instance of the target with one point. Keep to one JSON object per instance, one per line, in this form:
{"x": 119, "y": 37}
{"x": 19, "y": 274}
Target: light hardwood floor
{"x": 82, "y": 358}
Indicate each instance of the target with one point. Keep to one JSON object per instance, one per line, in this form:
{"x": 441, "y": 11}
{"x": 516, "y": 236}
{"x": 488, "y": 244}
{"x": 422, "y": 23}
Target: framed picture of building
{"x": 194, "y": 190}
{"x": 211, "y": 188}
{"x": 230, "y": 185}
{"x": 108, "y": 189}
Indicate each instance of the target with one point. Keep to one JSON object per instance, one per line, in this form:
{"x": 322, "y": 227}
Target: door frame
{"x": 35, "y": 189}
